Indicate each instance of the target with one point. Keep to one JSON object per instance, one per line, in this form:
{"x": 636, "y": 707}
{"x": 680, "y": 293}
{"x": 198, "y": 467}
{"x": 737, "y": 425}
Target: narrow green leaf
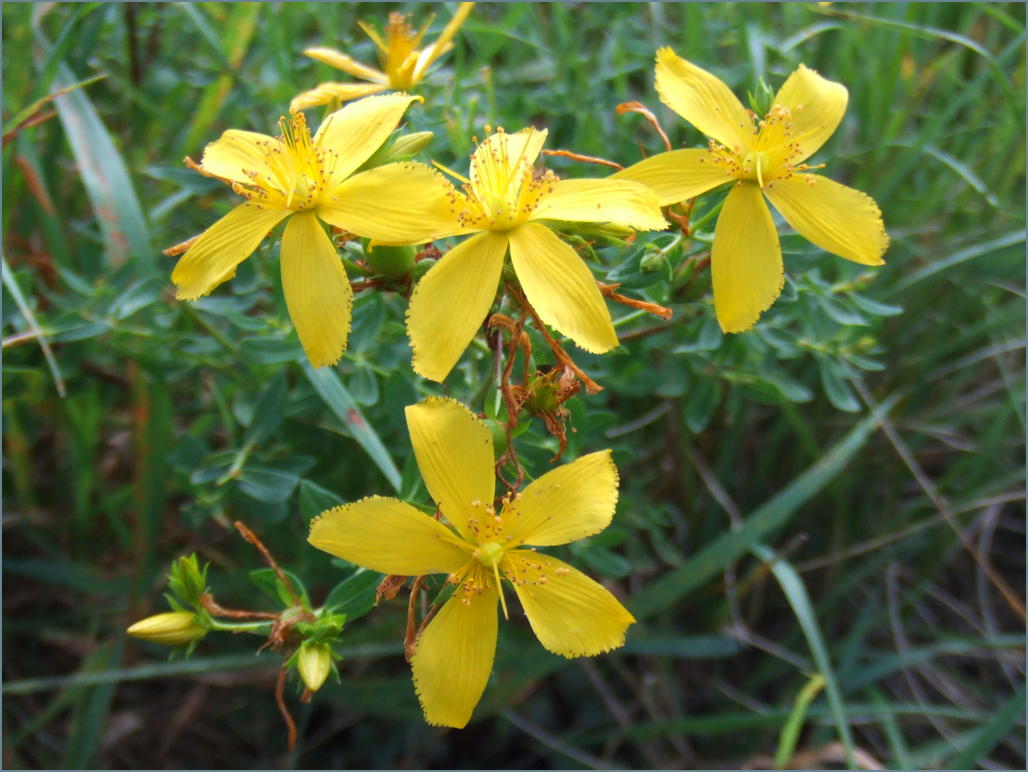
{"x": 962, "y": 256}
{"x": 239, "y": 31}
{"x": 796, "y": 593}
{"x": 990, "y": 733}
{"x": 330, "y": 388}
{"x": 791, "y": 730}
{"x": 267, "y": 413}
{"x": 712, "y": 559}
{"x": 104, "y": 174}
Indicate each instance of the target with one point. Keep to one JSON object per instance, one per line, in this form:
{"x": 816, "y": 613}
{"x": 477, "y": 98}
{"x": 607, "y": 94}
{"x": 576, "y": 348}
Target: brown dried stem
{"x": 645, "y": 112}
{"x": 280, "y": 700}
{"x": 589, "y": 159}
{"x": 212, "y": 606}
{"x": 251, "y": 537}
{"x": 608, "y": 291}
{"x": 591, "y": 386}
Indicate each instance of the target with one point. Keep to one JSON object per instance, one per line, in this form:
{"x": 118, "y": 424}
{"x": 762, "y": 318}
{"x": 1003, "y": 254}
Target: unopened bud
{"x": 654, "y": 260}
{"x": 394, "y": 262}
{"x": 314, "y": 662}
{"x": 407, "y": 146}
{"x": 172, "y": 628}
{"x": 422, "y": 267}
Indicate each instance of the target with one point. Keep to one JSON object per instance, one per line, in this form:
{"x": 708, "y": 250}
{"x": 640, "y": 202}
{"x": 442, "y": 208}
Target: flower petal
{"x": 318, "y": 293}
{"x": 676, "y": 175}
{"x": 454, "y": 655}
{"x": 324, "y": 93}
{"x": 351, "y": 135}
{"x": 560, "y": 287}
{"x": 399, "y": 203}
{"x": 502, "y": 159}
{"x": 347, "y": 64}
{"x": 213, "y": 257}
{"x": 745, "y": 260}
{"x": 608, "y": 200}
{"x": 816, "y": 105}
{"x": 237, "y": 152}
{"x": 442, "y": 44}
{"x": 841, "y": 220}
{"x": 565, "y": 504}
{"x": 451, "y": 301}
{"x": 388, "y": 536}
{"x": 570, "y": 614}
{"x": 703, "y": 100}
{"x": 454, "y": 451}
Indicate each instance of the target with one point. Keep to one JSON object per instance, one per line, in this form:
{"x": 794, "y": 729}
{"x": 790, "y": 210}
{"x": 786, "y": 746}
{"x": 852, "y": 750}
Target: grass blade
{"x": 791, "y": 730}
{"x": 796, "y": 593}
{"x": 990, "y": 733}
{"x": 30, "y": 319}
{"x": 103, "y": 171}
{"x": 239, "y": 33}
{"x": 712, "y": 559}
{"x": 331, "y": 389}
{"x": 976, "y": 250}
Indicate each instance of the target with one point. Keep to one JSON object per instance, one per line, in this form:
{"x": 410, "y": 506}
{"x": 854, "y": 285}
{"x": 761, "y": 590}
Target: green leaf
{"x": 271, "y": 486}
{"x": 791, "y": 730}
{"x": 330, "y": 388}
{"x": 837, "y": 390}
{"x": 703, "y": 398}
{"x": 270, "y": 351}
{"x": 314, "y": 499}
{"x": 238, "y": 32}
{"x": 712, "y": 558}
{"x": 267, "y": 413}
{"x": 990, "y": 733}
{"x": 268, "y": 582}
{"x": 355, "y": 595}
{"x": 796, "y": 593}
{"x": 103, "y": 172}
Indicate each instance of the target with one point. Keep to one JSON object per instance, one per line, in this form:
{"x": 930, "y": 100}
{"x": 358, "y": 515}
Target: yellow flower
{"x": 570, "y": 614}
{"x": 172, "y": 628}
{"x": 403, "y": 65}
{"x": 765, "y": 158}
{"x": 312, "y": 180}
{"x": 507, "y": 202}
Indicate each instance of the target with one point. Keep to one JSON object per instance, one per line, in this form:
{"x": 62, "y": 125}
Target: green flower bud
{"x": 187, "y": 580}
{"x": 406, "y": 147}
{"x": 422, "y": 267}
{"x": 394, "y": 262}
{"x": 172, "y": 628}
{"x": 652, "y": 261}
{"x": 314, "y": 662}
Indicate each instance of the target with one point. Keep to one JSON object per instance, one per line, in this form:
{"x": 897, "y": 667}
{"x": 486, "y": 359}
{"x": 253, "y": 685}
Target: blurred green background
{"x": 838, "y": 492}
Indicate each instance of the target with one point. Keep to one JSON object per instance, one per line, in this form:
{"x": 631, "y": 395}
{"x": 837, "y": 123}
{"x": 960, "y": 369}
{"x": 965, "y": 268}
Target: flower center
{"x": 296, "y": 173}
{"x": 504, "y": 190}
{"x": 755, "y": 166}
{"x": 489, "y": 554}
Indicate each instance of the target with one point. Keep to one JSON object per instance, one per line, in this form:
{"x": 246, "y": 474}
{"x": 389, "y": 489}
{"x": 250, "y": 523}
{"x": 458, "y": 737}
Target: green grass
{"x": 791, "y": 498}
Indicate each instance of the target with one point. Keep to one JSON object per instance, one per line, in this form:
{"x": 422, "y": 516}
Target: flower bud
{"x": 314, "y": 662}
{"x": 394, "y": 262}
{"x": 422, "y": 267}
{"x": 407, "y": 146}
{"x": 172, "y": 628}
